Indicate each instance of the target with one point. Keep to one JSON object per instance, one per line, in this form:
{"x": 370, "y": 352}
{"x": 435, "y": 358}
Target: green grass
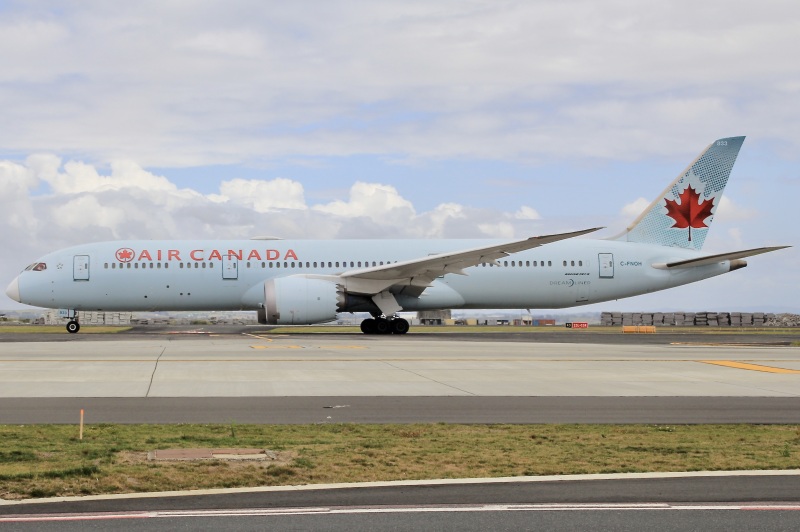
{"x": 53, "y": 329}
{"x": 49, "y": 460}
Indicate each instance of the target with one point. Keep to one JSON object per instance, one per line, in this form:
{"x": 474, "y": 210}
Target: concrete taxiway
{"x": 279, "y": 378}
{"x": 307, "y": 365}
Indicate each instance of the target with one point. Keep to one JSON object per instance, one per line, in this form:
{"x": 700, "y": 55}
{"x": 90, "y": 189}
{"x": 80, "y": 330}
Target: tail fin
{"x": 682, "y": 214}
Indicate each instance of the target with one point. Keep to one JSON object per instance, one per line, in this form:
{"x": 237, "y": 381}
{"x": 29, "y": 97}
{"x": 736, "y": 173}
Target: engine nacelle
{"x": 299, "y": 300}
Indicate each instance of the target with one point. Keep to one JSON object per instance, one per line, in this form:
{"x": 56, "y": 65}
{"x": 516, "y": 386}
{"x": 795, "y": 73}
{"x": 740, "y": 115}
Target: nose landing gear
{"x": 73, "y": 326}
{"x": 383, "y": 325}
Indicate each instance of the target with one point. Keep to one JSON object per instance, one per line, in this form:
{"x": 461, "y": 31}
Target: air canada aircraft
{"x": 310, "y": 281}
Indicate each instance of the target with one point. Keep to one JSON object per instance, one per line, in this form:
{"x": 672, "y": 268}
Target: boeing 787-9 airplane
{"x": 310, "y": 281}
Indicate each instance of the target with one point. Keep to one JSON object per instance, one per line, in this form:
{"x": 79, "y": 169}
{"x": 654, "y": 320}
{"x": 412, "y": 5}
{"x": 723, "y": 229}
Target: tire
{"x": 400, "y": 326}
{"x": 73, "y": 327}
{"x": 382, "y": 326}
{"x": 368, "y": 326}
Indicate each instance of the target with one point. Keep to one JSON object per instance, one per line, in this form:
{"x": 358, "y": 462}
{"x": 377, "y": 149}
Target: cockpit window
{"x": 37, "y": 267}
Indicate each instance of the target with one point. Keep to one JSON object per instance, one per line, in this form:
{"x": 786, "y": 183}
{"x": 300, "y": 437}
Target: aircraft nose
{"x": 13, "y": 290}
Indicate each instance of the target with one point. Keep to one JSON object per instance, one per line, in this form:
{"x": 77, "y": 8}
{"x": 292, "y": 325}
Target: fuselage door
{"x": 80, "y": 268}
{"x": 606, "y": 261}
{"x": 230, "y": 267}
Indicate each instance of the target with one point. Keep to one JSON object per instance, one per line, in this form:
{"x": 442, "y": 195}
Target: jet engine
{"x": 299, "y": 300}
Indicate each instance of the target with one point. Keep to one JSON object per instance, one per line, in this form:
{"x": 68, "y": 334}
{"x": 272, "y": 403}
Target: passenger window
{"x": 549, "y": 262}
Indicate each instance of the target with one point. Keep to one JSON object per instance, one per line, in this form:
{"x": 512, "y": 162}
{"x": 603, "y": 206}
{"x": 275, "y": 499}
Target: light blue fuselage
{"x": 148, "y": 275}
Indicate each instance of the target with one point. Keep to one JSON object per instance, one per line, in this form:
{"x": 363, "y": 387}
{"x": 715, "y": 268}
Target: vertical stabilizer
{"x": 682, "y": 214}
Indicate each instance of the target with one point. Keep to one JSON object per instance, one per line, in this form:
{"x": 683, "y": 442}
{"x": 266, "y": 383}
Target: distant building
{"x": 434, "y": 317}
{"x": 88, "y": 318}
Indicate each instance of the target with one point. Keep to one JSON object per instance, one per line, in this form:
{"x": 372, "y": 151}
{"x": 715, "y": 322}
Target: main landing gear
{"x": 383, "y": 325}
{"x": 73, "y": 326}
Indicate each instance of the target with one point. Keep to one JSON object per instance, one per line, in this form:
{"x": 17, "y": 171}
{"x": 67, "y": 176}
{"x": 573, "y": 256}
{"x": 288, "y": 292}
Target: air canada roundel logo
{"x": 125, "y": 254}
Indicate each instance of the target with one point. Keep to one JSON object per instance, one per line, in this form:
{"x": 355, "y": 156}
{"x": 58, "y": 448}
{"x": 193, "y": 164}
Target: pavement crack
{"x": 152, "y": 375}
{"x": 428, "y": 378}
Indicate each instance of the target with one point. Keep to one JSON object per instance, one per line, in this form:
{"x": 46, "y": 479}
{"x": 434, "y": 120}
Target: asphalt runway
{"x": 707, "y": 501}
{"x": 252, "y": 375}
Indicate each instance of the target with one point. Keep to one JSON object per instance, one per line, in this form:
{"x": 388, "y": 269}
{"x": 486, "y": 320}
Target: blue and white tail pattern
{"x": 682, "y": 214}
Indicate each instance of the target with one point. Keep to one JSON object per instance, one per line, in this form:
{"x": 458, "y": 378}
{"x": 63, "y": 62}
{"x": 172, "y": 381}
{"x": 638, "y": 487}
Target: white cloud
{"x": 728, "y": 211}
{"x": 371, "y": 200}
{"x": 497, "y": 230}
{"x": 80, "y": 177}
{"x": 635, "y": 208}
{"x": 233, "y": 43}
{"x": 263, "y": 196}
{"x": 85, "y": 211}
{"x": 527, "y": 213}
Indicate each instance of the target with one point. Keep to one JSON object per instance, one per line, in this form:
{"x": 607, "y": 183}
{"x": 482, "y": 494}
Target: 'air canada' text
{"x": 128, "y": 255}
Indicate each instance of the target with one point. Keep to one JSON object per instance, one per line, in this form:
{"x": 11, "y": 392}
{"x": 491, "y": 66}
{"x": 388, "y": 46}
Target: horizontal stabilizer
{"x": 713, "y": 259}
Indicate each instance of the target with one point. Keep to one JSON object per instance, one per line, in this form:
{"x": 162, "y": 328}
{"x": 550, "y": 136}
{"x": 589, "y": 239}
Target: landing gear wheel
{"x": 368, "y": 326}
{"x": 73, "y": 326}
{"x": 400, "y": 326}
{"x": 382, "y": 326}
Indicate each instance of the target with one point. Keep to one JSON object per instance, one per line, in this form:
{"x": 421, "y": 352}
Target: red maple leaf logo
{"x": 690, "y": 212}
{"x": 125, "y": 254}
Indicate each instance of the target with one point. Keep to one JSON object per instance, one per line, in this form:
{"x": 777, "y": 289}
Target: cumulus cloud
{"x": 78, "y": 176}
{"x": 497, "y": 230}
{"x": 527, "y": 213}
{"x": 635, "y": 208}
{"x": 263, "y": 196}
{"x": 729, "y": 211}
{"x": 371, "y": 200}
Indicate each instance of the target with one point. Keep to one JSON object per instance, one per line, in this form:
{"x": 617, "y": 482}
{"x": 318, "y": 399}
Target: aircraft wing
{"x": 713, "y": 259}
{"x": 419, "y": 273}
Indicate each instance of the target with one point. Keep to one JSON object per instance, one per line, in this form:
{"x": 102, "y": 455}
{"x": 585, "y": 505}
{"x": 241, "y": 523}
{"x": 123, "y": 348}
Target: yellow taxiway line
{"x": 750, "y": 367}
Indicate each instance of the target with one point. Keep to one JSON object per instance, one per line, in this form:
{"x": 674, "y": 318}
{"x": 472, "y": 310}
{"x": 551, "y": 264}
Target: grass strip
{"x": 60, "y": 329}
{"x": 49, "y": 460}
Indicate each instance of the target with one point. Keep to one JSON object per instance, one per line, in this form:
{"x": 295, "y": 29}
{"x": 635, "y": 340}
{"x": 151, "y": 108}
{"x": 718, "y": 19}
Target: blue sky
{"x": 398, "y": 119}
